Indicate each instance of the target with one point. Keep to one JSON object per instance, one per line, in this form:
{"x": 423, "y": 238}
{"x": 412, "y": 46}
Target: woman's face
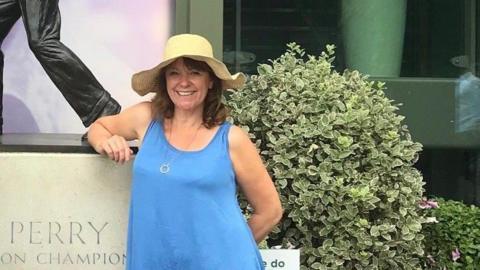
{"x": 187, "y": 87}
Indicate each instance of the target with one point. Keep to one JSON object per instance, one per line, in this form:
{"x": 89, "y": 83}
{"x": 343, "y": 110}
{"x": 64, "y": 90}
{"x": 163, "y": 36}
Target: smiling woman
{"x": 184, "y": 212}
{"x": 179, "y": 74}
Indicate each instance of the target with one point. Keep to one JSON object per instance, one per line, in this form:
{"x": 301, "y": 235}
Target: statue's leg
{"x": 74, "y": 80}
{"x": 9, "y": 14}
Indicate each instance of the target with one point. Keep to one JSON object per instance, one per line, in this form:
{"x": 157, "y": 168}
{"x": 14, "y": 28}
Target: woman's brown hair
{"x": 214, "y": 111}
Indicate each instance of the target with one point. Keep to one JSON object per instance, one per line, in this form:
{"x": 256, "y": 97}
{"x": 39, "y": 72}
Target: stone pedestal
{"x": 61, "y": 209}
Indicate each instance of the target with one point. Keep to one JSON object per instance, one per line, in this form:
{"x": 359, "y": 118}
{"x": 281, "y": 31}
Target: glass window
{"x": 425, "y": 50}
{"x": 255, "y": 31}
{"x": 424, "y": 38}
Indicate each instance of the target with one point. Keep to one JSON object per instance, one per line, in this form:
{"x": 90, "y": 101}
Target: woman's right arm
{"x": 109, "y": 134}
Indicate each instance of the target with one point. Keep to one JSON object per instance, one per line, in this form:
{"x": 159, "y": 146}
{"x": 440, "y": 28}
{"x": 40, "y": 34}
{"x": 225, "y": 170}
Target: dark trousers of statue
{"x": 75, "y": 81}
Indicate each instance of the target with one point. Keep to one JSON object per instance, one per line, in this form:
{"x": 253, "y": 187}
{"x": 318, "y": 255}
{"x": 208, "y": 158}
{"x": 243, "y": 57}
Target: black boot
{"x": 111, "y": 108}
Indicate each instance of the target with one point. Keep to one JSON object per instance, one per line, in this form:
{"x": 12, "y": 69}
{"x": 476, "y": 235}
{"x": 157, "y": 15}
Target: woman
{"x": 184, "y": 213}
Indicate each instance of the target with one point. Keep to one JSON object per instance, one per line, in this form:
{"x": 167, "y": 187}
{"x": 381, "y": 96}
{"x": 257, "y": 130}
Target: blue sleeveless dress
{"x": 188, "y": 218}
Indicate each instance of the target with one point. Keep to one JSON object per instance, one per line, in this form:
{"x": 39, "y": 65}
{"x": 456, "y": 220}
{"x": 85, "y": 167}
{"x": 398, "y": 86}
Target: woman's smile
{"x": 185, "y": 93}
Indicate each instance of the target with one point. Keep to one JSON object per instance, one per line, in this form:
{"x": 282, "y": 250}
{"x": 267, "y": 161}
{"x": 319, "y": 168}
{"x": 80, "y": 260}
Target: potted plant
{"x": 373, "y": 33}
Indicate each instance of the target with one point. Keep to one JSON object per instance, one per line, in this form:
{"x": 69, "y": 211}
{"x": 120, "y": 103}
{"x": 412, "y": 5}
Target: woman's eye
{"x": 195, "y": 72}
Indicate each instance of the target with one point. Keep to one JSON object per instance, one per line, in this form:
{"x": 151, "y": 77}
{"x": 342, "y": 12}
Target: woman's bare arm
{"x": 255, "y": 183}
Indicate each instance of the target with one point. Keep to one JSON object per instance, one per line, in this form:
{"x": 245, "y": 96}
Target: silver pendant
{"x": 164, "y": 168}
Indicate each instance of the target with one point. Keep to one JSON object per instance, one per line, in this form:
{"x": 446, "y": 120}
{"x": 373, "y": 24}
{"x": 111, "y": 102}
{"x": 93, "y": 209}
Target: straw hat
{"x": 191, "y": 46}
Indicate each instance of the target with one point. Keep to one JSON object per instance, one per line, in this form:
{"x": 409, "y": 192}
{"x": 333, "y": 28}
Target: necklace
{"x": 165, "y": 166}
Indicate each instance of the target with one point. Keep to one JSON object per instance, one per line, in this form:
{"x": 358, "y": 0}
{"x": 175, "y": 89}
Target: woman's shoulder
{"x": 238, "y": 137}
{"x": 138, "y": 117}
{"x": 141, "y": 111}
{"x": 143, "y": 106}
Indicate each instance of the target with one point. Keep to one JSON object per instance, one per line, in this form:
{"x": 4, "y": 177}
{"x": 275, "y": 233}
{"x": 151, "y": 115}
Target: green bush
{"x": 458, "y": 227}
{"x": 341, "y": 160}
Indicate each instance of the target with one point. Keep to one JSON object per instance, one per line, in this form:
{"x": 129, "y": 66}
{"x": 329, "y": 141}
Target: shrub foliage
{"x": 457, "y": 230}
{"x": 341, "y": 160}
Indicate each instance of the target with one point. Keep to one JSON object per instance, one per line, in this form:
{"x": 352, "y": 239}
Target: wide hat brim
{"x": 190, "y": 46}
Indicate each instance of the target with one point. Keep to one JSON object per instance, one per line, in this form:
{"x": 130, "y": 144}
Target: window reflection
{"x": 436, "y": 79}
{"x": 432, "y": 38}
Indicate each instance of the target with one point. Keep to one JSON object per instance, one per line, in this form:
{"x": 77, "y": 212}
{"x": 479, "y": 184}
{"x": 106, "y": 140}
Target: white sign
{"x": 281, "y": 259}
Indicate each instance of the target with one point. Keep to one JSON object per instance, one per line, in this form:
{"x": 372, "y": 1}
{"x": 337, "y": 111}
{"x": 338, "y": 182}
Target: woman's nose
{"x": 185, "y": 79}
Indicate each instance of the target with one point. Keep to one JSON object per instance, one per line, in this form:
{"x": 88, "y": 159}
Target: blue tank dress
{"x": 188, "y": 218}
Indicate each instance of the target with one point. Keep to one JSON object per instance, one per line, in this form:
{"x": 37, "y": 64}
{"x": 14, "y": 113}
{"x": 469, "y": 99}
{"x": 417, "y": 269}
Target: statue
{"x": 75, "y": 81}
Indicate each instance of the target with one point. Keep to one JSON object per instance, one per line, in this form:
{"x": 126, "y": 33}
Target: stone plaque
{"x": 62, "y": 211}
